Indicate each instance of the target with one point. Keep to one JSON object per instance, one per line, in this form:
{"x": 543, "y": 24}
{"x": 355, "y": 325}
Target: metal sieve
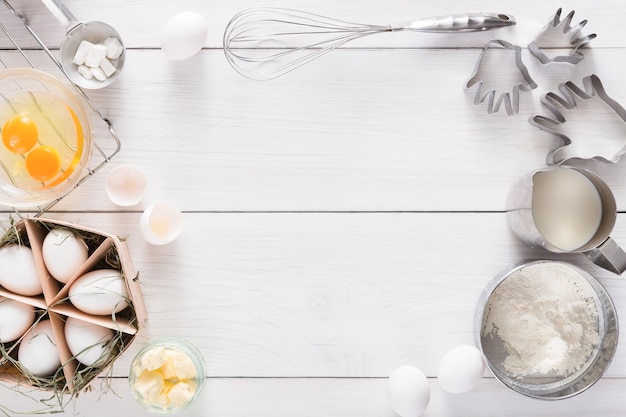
{"x": 550, "y": 385}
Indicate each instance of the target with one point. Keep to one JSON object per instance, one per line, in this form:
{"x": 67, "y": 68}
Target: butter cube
{"x": 149, "y": 384}
{"x": 178, "y": 366}
{"x": 153, "y": 359}
{"x": 181, "y": 393}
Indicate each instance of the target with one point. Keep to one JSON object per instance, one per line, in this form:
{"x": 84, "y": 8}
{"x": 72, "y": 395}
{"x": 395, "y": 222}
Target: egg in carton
{"x": 73, "y": 302}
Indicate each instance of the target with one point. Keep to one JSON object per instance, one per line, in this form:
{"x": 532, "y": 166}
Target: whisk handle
{"x": 458, "y": 23}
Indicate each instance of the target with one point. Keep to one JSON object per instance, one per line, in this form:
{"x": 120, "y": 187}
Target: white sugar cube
{"x": 95, "y": 55}
{"x": 114, "y": 47}
{"x": 85, "y": 71}
{"x": 81, "y": 52}
{"x": 107, "y": 67}
{"x": 98, "y": 74}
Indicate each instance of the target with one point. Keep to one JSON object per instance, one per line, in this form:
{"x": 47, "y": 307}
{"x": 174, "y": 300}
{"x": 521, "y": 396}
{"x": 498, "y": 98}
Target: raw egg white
{"x": 18, "y": 272}
{"x": 99, "y": 292}
{"x": 63, "y": 253}
{"x": 126, "y": 185}
{"x": 38, "y": 350}
{"x": 88, "y": 342}
{"x": 183, "y": 35}
{"x": 461, "y": 369}
{"x": 409, "y": 391}
{"x": 15, "y": 319}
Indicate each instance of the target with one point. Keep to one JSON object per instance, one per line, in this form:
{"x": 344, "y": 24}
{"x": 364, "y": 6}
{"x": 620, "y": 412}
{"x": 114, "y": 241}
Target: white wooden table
{"x": 342, "y": 220}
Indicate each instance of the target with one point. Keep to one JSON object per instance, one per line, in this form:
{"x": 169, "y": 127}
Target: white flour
{"x": 546, "y": 320}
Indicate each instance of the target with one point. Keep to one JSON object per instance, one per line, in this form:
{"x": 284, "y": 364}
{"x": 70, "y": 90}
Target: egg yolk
{"x": 43, "y": 163}
{"x": 19, "y": 134}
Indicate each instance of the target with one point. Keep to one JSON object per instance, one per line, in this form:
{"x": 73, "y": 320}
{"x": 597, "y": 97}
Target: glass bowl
{"x": 167, "y": 375}
{"x": 46, "y": 138}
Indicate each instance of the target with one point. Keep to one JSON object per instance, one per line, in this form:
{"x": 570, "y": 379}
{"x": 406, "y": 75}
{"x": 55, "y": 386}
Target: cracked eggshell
{"x": 161, "y": 223}
{"x": 126, "y": 185}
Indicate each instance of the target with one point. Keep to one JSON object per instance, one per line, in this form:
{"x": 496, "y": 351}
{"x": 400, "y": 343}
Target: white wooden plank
{"x": 339, "y": 295}
{"x": 140, "y": 22}
{"x": 356, "y": 130}
{"x": 345, "y": 397}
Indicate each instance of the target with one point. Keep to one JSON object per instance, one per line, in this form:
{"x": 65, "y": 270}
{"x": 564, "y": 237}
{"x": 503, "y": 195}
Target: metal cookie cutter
{"x": 510, "y": 99}
{"x": 560, "y": 33}
{"x": 591, "y": 143}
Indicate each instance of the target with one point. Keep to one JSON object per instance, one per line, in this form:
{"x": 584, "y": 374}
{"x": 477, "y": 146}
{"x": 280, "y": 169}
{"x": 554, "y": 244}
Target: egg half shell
{"x": 161, "y": 223}
{"x": 63, "y": 253}
{"x": 126, "y": 185}
{"x": 409, "y": 391}
{"x": 99, "y": 292}
{"x": 88, "y": 342}
{"x": 183, "y": 35}
{"x": 18, "y": 272}
{"x": 38, "y": 350}
{"x": 461, "y": 369}
{"x": 15, "y": 319}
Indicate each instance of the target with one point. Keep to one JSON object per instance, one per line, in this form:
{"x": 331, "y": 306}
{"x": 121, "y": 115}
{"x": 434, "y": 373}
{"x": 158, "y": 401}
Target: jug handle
{"x": 609, "y": 256}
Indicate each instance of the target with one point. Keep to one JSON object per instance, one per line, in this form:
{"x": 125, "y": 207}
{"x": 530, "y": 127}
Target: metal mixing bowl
{"x": 36, "y": 91}
{"x": 551, "y": 386}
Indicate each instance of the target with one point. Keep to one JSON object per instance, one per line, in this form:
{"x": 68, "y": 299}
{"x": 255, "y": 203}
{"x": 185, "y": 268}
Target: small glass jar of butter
{"x": 167, "y": 375}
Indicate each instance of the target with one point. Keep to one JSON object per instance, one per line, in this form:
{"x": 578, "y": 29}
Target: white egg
{"x": 99, "y": 292}
{"x": 15, "y": 319}
{"x": 88, "y": 342}
{"x": 409, "y": 391}
{"x": 183, "y": 35}
{"x": 126, "y": 185}
{"x": 38, "y": 350}
{"x": 63, "y": 253}
{"x": 18, "y": 272}
{"x": 161, "y": 223}
{"x": 461, "y": 369}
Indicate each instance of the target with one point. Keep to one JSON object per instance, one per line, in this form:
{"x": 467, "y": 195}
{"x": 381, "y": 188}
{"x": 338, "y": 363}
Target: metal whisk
{"x": 265, "y": 43}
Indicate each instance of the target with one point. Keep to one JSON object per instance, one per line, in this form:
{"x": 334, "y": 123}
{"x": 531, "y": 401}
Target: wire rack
{"x": 20, "y": 47}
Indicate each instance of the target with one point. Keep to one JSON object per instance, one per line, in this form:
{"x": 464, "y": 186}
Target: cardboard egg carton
{"x": 53, "y": 303}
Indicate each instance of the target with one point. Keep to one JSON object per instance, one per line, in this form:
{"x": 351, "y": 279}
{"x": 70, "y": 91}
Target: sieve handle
{"x": 608, "y": 256}
{"x": 62, "y": 13}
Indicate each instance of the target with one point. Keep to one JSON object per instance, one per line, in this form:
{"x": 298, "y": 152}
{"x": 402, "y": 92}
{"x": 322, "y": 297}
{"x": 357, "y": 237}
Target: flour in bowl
{"x": 546, "y": 318}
